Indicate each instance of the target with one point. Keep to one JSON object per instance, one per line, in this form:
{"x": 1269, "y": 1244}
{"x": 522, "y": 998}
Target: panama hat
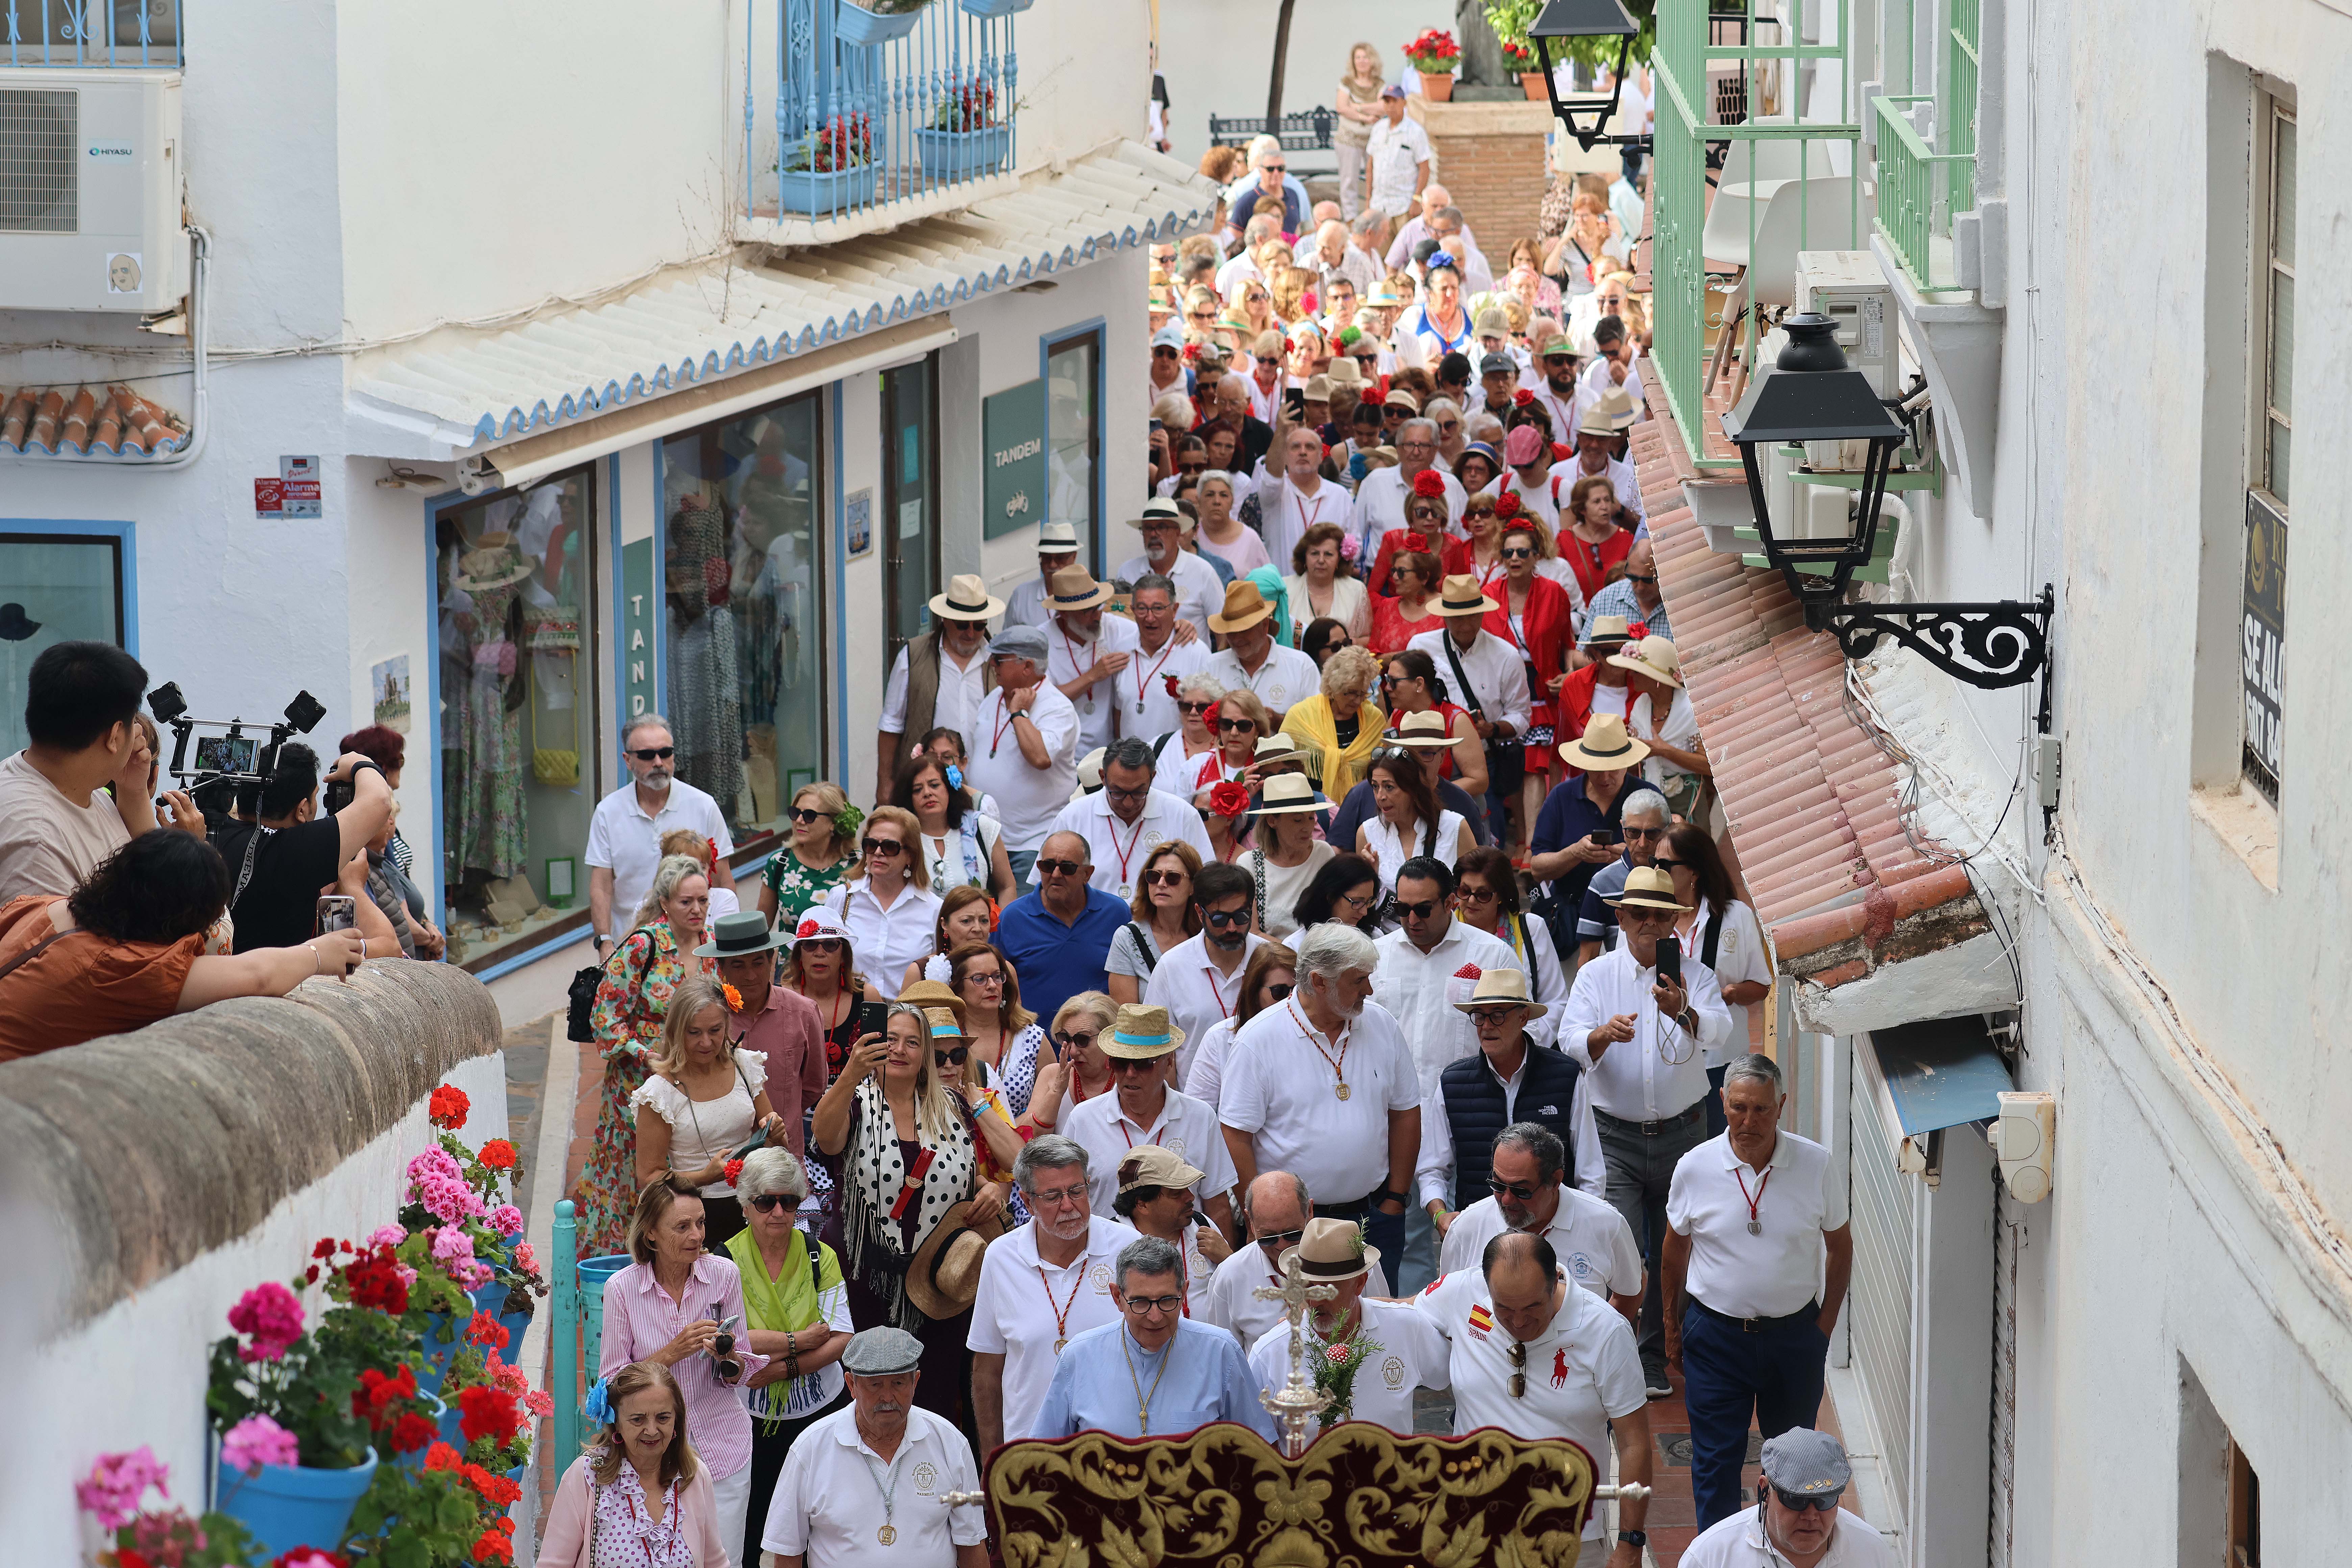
{"x": 1073, "y": 589}
{"x": 943, "y": 1276}
{"x": 1345, "y": 371}
{"x": 1279, "y": 747}
{"x": 1422, "y": 732}
{"x": 1140, "y": 1033}
{"x": 1318, "y": 389}
{"x": 1054, "y": 538}
{"x": 1652, "y": 657}
{"x": 1605, "y": 746}
{"x": 944, "y": 1022}
{"x": 1647, "y": 888}
{"x": 966, "y": 599}
{"x": 1402, "y": 397}
{"x": 1384, "y": 297}
{"x": 1332, "y": 1249}
{"x": 1608, "y": 631}
{"x": 1558, "y": 347}
{"x": 1160, "y": 507}
{"x": 1245, "y": 607}
{"x": 1616, "y": 405}
{"x": 1497, "y": 986}
{"x": 1288, "y": 793}
{"x": 1462, "y": 596}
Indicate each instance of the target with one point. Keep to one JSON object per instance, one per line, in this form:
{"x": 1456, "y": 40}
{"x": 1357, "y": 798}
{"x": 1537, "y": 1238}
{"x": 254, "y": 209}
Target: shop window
{"x": 54, "y": 588}
{"x": 910, "y": 497}
{"x": 516, "y": 711}
{"x": 743, "y": 662}
{"x": 1074, "y": 433}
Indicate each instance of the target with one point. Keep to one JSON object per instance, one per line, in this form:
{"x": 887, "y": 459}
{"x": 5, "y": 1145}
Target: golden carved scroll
{"x": 1361, "y": 1497}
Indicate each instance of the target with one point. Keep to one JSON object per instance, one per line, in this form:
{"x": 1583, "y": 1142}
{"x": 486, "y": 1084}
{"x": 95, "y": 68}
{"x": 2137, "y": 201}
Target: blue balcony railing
{"x": 91, "y": 34}
{"x": 863, "y": 110}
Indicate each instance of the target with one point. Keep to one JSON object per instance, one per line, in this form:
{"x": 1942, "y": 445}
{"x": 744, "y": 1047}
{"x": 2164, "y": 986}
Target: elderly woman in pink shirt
{"x": 682, "y": 1308}
{"x": 639, "y": 1495}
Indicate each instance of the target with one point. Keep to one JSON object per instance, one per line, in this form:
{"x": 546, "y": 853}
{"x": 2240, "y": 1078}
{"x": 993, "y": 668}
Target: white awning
{"x": 698, "y": 327}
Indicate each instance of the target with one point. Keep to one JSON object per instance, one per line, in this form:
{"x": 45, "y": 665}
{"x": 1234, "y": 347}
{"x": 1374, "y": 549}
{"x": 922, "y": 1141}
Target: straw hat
{"x": 1332, "y": 1249}
{"x": 1608, "y": 631}
{"x": 1279, "y": 747}
{"x": 1462, "y": 596}
{"x": 1140, "y": 1033}
{"x": 966, "y": 599}
{"x": 1647, "y": 888}
{"x": 1345, "y": 371}
{"x": 931, "y": 993}
{"x": 1054, "y": 538}
{"x": 1558, "y": 346}
{"x": 1491, "y": 323}
{"x": 1245, "y": 607}
{"x": 1318, "y": 388}
{"x": 1289, "y": 793}
{"x": 1652, "y": 657}
{"x": 943, "y": 1276}
{"x": 1617, "y": 405}
{"x": 945, "y": 1024}
{"x": 1382, "y": 297}
{"x": 494, "y": 564}
{"x": 1605, "y": 746}
{"x": 1503, "y": 985}
{"x": 1073, "y": 589}
{"x": 1160, "y": 507}
{"x": 1421, "y": 733}
{"x": 1402, "y": 397}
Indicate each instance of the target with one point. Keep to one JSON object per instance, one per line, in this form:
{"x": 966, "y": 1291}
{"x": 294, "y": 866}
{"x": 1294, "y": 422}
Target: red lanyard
{"x": 1063, "y": 1311}
{"x": 1216, "y": 990}
{"x": 1322, "y": 494}
{"x": 1092, "y": 649}
{"x": 1741, "y": 1177}
{"x": 1145, "y": 676}
{"x": 997, "y": 739}
{"x": 915, "y": 1174}
{"x": 1127, "y": 854}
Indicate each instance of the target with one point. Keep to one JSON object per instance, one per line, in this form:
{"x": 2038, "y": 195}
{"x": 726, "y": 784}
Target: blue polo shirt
{"x": 1568, "y": 816}
{"x": 1056, "y": 962}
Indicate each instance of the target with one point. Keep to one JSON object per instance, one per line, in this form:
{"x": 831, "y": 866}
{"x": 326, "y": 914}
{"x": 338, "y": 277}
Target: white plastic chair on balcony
{"x": 1753, "y": 173}
{"x": 1815, "y": 213}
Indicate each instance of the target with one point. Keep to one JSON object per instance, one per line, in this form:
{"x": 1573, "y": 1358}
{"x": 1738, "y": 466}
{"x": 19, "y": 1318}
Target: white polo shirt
{"x": 1380, "y": 507}
{"x": 1024, "y": 605}
{"x": 1200, "y": 591}
{"x": 1232, "y": 1299}
{"x": 1594, "y": 1243}
{"x": 1147, "y": 707}
{"x": 1408, "y": 1353}
{"x": 622, "y": 838}
{"x": 1420, "y": 990}
{"x": 1119, "y": 848}
{"x": 1286, "y": 679}
{"x": 1195, "y": 991}
{"x": 1280, "y": 1090}
{"x": 1498, "y": 676}
{"x": 885, "y": 940}
{"x": 1740, "y": 954}
{"x": 1660, "y": 1072}
{"x": 961, "y": 689}
{"x": 1204, "y": 1077}
{"x": 1023, "y": 1306}
{"x": 1030, "y": 798}
{"x": 1434, "y": 1166}
{"x": 1186, "y": 1129}
{"x": 1779, "y": 1269}
{"x": 1068, "y": 657}
{"x": 1739, "y": 1542}
{"x": 828, "y": 1506}
{"x": 1581, "y": 1373}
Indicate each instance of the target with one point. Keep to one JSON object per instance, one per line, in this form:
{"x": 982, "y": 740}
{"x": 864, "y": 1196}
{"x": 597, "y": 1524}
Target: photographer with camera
{"x": 280, "y": 863}
{"x": 81, "y": 710}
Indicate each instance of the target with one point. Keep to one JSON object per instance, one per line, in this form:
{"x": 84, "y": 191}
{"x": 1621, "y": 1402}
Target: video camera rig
{"x": 232, "y": 756}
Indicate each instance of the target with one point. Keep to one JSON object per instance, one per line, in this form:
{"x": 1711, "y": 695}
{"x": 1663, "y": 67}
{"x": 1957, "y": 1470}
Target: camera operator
{"x": 279, "y": 864}
{"x": 81, "y": 710}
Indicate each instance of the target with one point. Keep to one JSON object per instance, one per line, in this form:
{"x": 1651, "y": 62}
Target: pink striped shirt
{"x": 640, "y": 1319}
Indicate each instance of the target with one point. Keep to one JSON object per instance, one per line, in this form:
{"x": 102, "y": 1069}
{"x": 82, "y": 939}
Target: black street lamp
{"x": 1585, "y": 19}
{"x": 1810, "y": 394}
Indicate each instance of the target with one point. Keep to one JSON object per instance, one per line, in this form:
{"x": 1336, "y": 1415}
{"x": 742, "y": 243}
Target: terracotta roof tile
{"x": 1810, "y": 798}
{"x": 87, "y": 421}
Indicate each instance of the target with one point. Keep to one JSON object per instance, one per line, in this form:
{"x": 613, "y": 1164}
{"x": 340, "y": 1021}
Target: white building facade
{"x": 672, "y": 374}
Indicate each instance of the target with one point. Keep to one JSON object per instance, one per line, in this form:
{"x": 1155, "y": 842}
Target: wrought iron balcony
{"x": 874, "y": 113}
{"x": 86, "y": 34}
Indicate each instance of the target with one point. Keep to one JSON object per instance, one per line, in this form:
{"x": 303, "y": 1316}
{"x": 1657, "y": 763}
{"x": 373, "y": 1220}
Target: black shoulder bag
{"x": 1507, "y": 760}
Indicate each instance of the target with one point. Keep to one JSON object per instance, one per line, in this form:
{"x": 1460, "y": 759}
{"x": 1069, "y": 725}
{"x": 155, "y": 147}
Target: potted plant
{"x": 967, "y": 136}
{"x": 461, "y": 1227}
{"x": 859, "y": 23}
{"x": 1511, "y": 19}
{"x": 444, "y": 1511}
{"x": 829, "y": 169}
{"x": 1435, "y": 56}
{"x": 996, "y": 7}
{"x": 111, "y": 1494}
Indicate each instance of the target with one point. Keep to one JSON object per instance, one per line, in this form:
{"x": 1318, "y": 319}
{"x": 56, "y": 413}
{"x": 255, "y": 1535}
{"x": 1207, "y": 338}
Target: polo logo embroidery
{"x": 1560, "y": 1369}
{"x": 1580, "y": 1266}
{"x": 1099, "y": 1278}
{"x": 1482, "y": 1322}
{"x": 1392, "y": 1372}
{"x": 925, "y": 1476}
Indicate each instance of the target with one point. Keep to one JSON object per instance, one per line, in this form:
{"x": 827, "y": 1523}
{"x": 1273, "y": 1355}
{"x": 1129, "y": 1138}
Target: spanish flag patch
{"x": 1481, "y": 1320}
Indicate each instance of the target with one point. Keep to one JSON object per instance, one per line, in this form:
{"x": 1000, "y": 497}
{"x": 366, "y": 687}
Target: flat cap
{"x": 882, "y": 1352}
{"x": 1019, "y": 642}
{"x": 1804, "y": 1462}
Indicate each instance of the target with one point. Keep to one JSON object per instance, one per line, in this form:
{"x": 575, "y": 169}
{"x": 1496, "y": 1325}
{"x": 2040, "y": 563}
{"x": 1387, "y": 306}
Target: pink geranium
{"x": 526, "y": 1258}
{"x": 117, "y": 1482}
{"x": 256, "y": 1441}
{"x": 506, "y": 1219}
{"x": 452, "y": 1246}
{"x": 271, "y": 1317}
{"x": 539, "y": 1403}
{"x": 387, "y": 1236}
{"x": 449, "y": 1198}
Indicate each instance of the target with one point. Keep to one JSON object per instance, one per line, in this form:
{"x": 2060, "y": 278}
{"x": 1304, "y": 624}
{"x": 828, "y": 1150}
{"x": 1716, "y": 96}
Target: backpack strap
{"x": 1712, "y": 938}
{"x": 34, "y": 952}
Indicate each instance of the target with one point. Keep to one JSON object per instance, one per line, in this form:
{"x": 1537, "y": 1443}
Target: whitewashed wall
{"x": 1217, "y": 54}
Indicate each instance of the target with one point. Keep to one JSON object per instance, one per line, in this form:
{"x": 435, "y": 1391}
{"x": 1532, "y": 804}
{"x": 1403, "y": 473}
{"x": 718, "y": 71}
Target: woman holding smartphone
{"x": 708, "y": 1098}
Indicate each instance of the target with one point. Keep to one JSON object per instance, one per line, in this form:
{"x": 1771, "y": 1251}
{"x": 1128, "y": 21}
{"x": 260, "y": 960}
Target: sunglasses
{"x": 1474, "y": 895}
{"x": 1280, "y": 990}
{"x": 1650, "y": 582}
{"x": 1824, "y": 1501}
{"x": 1141, "y": 1067}
{"x": 1222, "y": 917}
{"x": 1422, "y": 911}
{"x": 1278, "y": 1241}
{"x": 957, "y": 1055}
{"x": 1663, "y": 864}
{"x": 1517, "y": 552}
{"x": 1070, "y": 1042}
{"x": 1164, "y": 879}
{"x": 1059, "y": 868}
{"x": 1645, "y": 833}
{"x": 1518, "y": 1372}
{"x": 882, "y": 846}
{"x": 1523, "y": 1190}
{"x": 1227, "y": 725}
{"x": 818, "y": 944}
{"x": 1447, "y": 426}
{"x": 804, "y": 816}
{"x": 1195, "y": 707}
{"x": 1117, "y": 793}
{"x": 654, "y": 754}
{"x": 766, "y": 1203}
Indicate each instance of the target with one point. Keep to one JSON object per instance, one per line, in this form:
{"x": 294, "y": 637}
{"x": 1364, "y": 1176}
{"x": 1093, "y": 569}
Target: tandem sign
{"x": 1013, "y": 475}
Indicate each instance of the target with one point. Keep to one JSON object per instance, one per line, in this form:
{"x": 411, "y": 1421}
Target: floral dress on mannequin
{"x": 483, "y": 791}
{"x": 706, "y": 709}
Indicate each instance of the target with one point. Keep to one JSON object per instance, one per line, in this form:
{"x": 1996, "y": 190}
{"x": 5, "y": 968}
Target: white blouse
{"x": 1391, "y": 854}
{"x": 702, "y": 1131}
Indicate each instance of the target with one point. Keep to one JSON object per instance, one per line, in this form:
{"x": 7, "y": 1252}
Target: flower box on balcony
{"x": 963, "y": 154}
{"x": 855, "y": 25}
{"x": 823, "y": 193}
{"x": 996, "y": 7}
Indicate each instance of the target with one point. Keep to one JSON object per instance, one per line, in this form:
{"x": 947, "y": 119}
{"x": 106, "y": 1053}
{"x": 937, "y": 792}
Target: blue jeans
{"x": 1416, "y": 1264}
{"x": 1774, "y": 1374}
{"x": 1386, "y": 1231}
{"x": 1022, "y": 860}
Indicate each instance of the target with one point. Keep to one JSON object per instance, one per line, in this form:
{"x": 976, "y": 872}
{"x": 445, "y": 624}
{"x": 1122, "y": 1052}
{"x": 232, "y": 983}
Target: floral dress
{"x": 796, "y": 887}
{"x": 631, "y": 1000}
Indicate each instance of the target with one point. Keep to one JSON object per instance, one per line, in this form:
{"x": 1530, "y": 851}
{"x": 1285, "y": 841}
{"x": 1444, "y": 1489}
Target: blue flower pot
{"x": 996, "y": 7}
{"x": 854, "y": 25}
{"x": 438, "y": 1346}
{"x": 822, "y": 195}
{"x": 949, "y": 156}
{"x": 287, "y": 1506}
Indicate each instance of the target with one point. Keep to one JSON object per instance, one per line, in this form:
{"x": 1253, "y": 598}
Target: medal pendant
{"x": 1138, "y": 705}
{"x": 1755, "y": 1228}
{"x": 1090, "y": 705}
{"x": 1125, "y": 891}
{"x": 1059, "y": 1344}
{"x": 1342, "y": 1091}
{"x": 887, "y": 1534}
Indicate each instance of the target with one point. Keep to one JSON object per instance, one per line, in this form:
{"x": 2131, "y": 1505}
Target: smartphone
{"x": 1294, "y": 399}
{"x": 337, "y": 911}
{"x": 871, "y": 1017}
{"x": 1157, "y": 427}
{"x": 1670, "y": 958}
{"x": 1606, "y": 837}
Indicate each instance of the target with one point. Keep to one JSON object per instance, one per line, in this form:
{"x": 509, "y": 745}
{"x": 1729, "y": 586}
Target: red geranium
{"x": 482, "y": 1329}
{"x": 732, "y": 1170}
{"x": 498, "y": 1154}
{"x": 376, "y": 1283}
{"x": 412, "y": 1432}
{"x": 494, "y": 1548}
{"x": 1229, "y": 798}
{"x": 310, "y": 1557}
{"x": 1429, "y": 484}
{"x": 487, "y": 1411}
{"x": 441, "y": 1456}
{"x": 373, "y": 1401}
{"x": 447, "y": 1108}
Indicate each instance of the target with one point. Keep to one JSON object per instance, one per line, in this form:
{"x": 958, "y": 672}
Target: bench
{"x": 1308, "y": 131}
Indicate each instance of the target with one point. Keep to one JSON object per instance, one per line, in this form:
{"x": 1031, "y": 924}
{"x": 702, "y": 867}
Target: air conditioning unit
{"x": 90, "y": 184}
{"x": 1848, "y": 287}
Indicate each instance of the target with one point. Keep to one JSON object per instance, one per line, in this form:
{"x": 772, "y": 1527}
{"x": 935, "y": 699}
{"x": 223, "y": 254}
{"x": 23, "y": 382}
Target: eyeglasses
{"x": 1523, "y": 1190}
{"x": 1164, "y": 879}
{"x": 884, "y": 847}
{"x": 654, "y": 754}
{"x": 1058, "y": 1196}
{"x": 1226, "y": 726}
{"x": 766, "y": 1202}
{"x": 1358, "y": 902}
{"x": 1222, "y": 917}
{"x": 1825, "y": 1501}
{"x": 991, "y": 977}
{"x": 1468, "y": 895}
{"x": 1422, "y": 911}
{"x": 1070, "y": 1042}
{"x": 806, "y": 817}
{"x": 1518, "y": 1370}
{"x": 1117, "y": 793}
{"x": 1195, "y": 707}
{"x": 1145, "y": 1305}
{"x": 817, "y": 944}
{"x": 1059, "y": 868}
{"x": 1517, "y": 552}
{"x": 1280, "y": 990}
{"x": 957, "y": 1055}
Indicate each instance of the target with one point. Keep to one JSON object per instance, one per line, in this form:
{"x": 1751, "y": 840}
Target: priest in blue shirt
{"x": 1155, "y": 1373}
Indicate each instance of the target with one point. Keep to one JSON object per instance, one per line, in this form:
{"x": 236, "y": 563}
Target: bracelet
{"x": 314, "y": 957}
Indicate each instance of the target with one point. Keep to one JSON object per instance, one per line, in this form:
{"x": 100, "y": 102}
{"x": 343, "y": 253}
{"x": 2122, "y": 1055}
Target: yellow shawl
{"x": 1334, "y": 770}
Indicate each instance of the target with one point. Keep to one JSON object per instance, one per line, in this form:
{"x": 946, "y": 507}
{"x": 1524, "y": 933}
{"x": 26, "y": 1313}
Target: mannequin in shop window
{"x": 706, "y": 694}
{"x": 486, "y": 688}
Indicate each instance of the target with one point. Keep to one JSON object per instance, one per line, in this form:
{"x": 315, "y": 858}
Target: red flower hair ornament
{"x": 1417, "y": 543}
{"x": 1229, "y": 798}
{"x": 1429, "y": 485}
{"x": 1507, "y": 505}
{"x": 1522, "y": 397}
